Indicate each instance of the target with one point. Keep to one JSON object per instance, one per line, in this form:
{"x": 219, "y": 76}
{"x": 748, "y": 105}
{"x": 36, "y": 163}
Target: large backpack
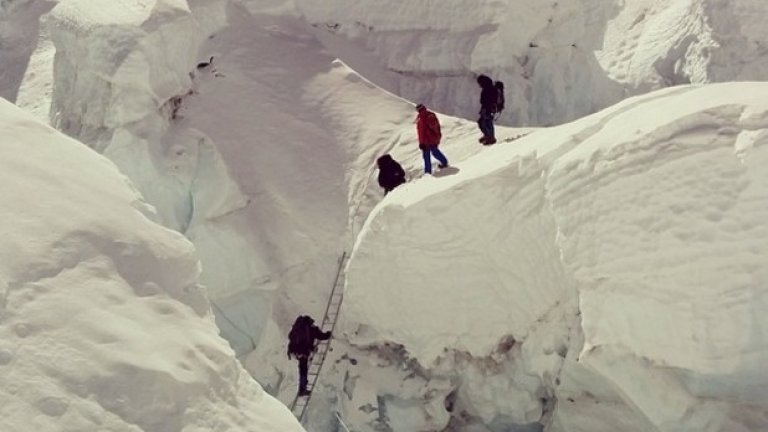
{"x": 300, "y": 338}
{"x": 499, "y": 96}
{"x": 434, "y": 125}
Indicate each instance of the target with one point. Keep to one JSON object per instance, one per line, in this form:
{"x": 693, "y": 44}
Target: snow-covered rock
{"x": 616, "y": 261}
{"x": 103, "y": 323}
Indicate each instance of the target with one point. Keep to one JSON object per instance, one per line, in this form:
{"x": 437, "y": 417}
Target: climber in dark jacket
{"x": 488, "y": 99}
{"x": 391, "y": 174}
{"x": 301, "y": 343}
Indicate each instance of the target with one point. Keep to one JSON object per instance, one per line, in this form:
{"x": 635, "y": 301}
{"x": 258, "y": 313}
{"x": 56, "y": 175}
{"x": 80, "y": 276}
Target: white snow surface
{"x": 265, "y": 161}
{"x": 624, "y": 253}
{"x": 103, "y": 323}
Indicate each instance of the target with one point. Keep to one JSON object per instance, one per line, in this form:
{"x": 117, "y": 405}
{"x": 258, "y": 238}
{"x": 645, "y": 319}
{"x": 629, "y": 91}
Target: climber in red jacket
{"x": 428, "y": 128}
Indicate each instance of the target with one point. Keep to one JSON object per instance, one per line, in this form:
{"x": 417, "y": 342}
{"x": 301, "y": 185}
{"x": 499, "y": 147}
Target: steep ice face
{"x": 103, "y": 323}
{"x": 618, "y": 260}
{"x": 120, "y": 71}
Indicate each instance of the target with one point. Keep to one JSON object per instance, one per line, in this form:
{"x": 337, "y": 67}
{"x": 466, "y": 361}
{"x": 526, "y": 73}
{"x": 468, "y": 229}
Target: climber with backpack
{"x": 391, "y": 173}
{"x": 301, "y": 344}
{"x": 491, "y": 104}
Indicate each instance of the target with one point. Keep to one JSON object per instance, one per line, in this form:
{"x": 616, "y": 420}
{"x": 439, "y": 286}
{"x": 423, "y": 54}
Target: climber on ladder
{"x": 301, "y": 343}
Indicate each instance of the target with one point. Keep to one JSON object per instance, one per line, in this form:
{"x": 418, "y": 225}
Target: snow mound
{"x": 103, "y": 323}
{"x": 618, "y": 259}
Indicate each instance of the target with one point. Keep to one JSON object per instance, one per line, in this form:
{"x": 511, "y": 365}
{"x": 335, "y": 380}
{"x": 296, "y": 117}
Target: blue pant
{"x": 486, "y": 125}
{"x": 428, "y": 160}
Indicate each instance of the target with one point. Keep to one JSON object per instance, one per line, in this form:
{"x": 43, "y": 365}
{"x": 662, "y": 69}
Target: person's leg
{"x": 427, "y": 160}
{"x": 488, "y": 130}
{"x": 481, "y": 125}
{"x": 303, "y": 370}
{"x": 440, "y": 157}
{"x": 489, "y": 127}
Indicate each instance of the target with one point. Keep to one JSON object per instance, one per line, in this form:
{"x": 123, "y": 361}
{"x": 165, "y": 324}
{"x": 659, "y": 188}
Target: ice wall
{"x": 431, "y": 51}
{"x": 605, "y": 275}
{"x": 120, "y": 70}
{"x": 19, "y": 38}
{"x": 103, "y": 323}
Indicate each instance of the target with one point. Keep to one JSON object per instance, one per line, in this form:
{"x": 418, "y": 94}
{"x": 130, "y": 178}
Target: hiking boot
{"x": 304, "y": 392}
{"x": 441, "y": 166}
{"x": 489, "y": 141}
{"x": 481, "y": 140}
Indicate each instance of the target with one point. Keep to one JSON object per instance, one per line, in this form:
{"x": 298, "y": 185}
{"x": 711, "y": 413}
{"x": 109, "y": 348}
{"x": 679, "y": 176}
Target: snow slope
{"x": 103, "y": 323}
{"x": 609, "y": 273}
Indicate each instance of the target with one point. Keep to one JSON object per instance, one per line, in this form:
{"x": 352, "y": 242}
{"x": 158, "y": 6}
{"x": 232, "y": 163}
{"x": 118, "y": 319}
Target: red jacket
{"x": 428, "y": 128}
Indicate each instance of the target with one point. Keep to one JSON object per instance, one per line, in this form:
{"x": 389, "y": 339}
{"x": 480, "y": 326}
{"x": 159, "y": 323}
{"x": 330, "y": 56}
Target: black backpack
{"x": 300, "y": 337}
{"x": 499, "y": 86}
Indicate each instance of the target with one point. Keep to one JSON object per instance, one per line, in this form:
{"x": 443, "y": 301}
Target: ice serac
{"x": 121, "y": 70}
{"x": 609, "y": 273}
{"x": 653, "y": 44}
{"x": 103, "y": 323}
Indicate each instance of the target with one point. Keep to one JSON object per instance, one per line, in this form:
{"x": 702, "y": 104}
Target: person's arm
{"x": 321, "y": 335}
{"x": 420, "y": 132}
{"x": 382, "y": 179}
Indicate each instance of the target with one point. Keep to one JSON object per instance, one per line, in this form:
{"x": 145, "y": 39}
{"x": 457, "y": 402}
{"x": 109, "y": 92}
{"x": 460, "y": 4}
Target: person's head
{"x": 383, "y": 160}
{"x": 420, "y": 108}
{"x": 305, "y": 319}
{"x": 484, "y": 81}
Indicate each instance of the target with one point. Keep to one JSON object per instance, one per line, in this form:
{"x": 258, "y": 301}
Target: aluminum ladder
{"x": 300, "y": 403}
